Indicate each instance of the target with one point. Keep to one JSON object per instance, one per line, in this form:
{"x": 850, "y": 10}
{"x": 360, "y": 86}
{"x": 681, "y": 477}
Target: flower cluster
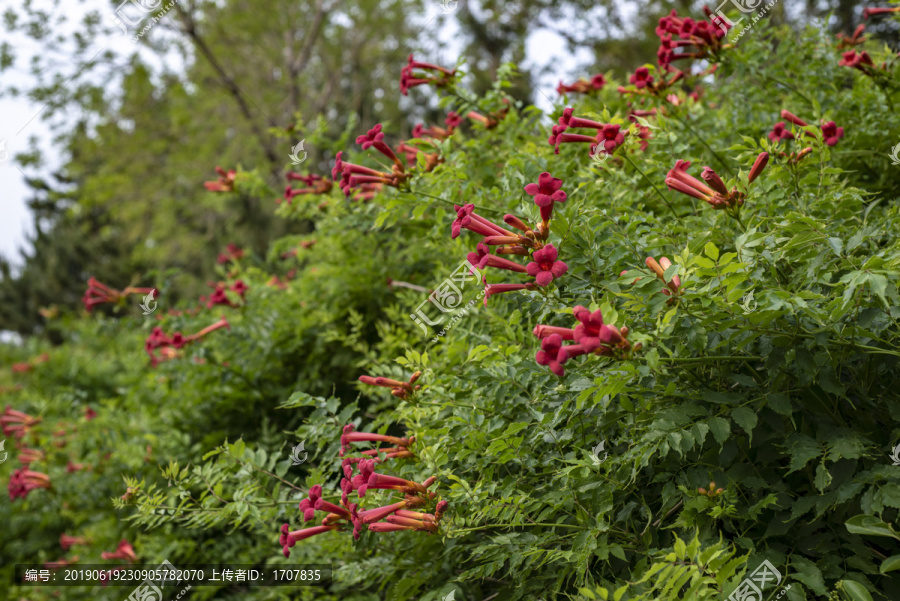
{"x": 645, "y": 84}
{"x": 28, "y": 456}
{"x": 233, "y": 252}
{"x": 412, "y": 152}
{"x": 98, "y": 293}
{"x": 315, "y": 184}
{"x": 400, "y": 390}
{"x": 437, "y": 75}
{"x": 225, "y": 183}
{"x": 493, "y": 119}
{"x": 123, "y": 551}
{"x": 677, "y": 33}
{"x": 854, "y": 40}
{"x": 607, "y": 138}
{"x": 591, "y": 336}
{"x": 282, "y": 284}
{"x": 168, "y": 346}
{"x": 452, "y": 122}
{"x": 220, "y": 294}
{"x": 15, "y": 423}
{"x": 830, "y": 131}
{"x": 396, "y": 516}
{"x": 582, "y": 86}
{"x": 544, "y": 267}
{"x": 23, "y": 481}
{"x": 26, "y": 366}
{"x": 366, "y": 180}
{"x": 713, "y": 191}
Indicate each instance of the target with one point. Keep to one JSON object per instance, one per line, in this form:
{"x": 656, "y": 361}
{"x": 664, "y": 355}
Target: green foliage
{"x": 771, "y": 374}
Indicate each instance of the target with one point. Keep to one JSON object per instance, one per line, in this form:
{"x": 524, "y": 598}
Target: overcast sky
{"x": 22, "y": 117}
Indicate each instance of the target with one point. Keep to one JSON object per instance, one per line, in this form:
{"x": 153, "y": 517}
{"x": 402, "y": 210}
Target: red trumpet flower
{"x": 439, "y": 76}
{"x": 349, "y": 435}
{"x": 582, "y": 86}
{"x": 232, "y": 252}
{"x": 659, "y": 269}
{"x": 641, "y": 78}
{"x": 366, "y": 179}
{"x": 398, "y": 389}
{"x": 315, "y": 184}
{"x": 98, "y": 293}
{"x": 545, "y": 266}
{"x": 67, "y": 542}
{"x": 715, "y": 193}
{"x": 123, "y": 551}
{"x": 591, "y": 336}
{"x": 854, "y": 40}
{"x": 549, "y": 355}
{"x": 225, "y": 183}
{"x": 468, "y": 219}
{"x": 859, "y": 61}
{"x": 15, "y": 423}
{"x": 29, "y": 456}
{"x": 483, "y": 258}
{"x": 779, "y": 132}
{"x": 832, "y": 133}
{"x": 22, "y": 481}
{"x": 869, "y": 12}
{"x": 452, "y": 121}
{"x": 169, "y": 345}
{"x": 546, "y": 192}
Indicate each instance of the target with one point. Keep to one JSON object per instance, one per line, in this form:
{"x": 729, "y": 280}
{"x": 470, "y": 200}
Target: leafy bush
{"x": 747, "y": 413}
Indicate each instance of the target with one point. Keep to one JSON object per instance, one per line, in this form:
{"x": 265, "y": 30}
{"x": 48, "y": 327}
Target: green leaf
{"x": 711, "y": 251}
{"x": 823, "y": 477}
{"x": 869, "y": 525}
{"x": 890, "y": 564}
{"x": 720, "y": 429}
{"x": 745, "y": 418}
{"x": 856, "y": 591}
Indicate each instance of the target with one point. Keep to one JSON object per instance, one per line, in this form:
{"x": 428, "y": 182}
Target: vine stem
{"x": 705, "y": 143}
{"x": 450, "y": 202}
{"x": 790, "y": 87}
{"x": 517, "y": 526}
{"x": 649, "y": 181}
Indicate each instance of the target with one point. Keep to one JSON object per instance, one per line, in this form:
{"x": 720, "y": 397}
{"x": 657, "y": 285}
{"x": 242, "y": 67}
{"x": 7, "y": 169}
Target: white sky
{"x": 21, "y": 118}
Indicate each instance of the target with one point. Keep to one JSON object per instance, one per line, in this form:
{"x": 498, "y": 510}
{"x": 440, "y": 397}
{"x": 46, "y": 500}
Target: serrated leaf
{"x": 746, "y": 418}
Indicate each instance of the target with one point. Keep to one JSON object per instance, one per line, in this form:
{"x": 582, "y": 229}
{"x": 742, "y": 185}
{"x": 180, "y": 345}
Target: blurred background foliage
{"x": 242, "y": 82}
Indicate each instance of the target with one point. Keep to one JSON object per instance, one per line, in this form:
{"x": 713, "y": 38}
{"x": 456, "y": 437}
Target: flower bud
{"x": 758, "y": 165}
